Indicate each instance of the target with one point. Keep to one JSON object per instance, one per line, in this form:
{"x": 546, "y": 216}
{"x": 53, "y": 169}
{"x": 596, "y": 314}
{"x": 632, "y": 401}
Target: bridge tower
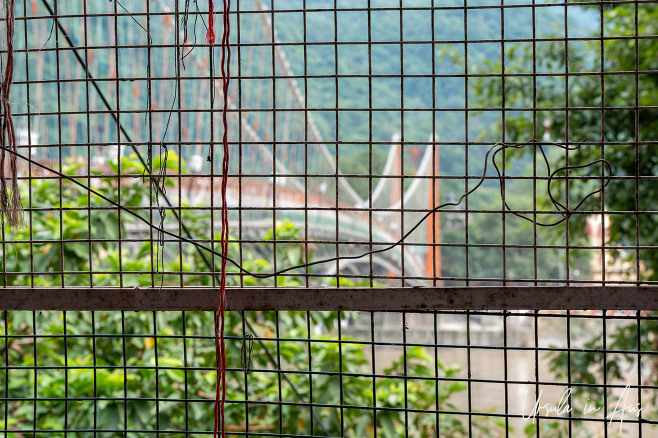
{"x": 433, "y": 222}
{"x": 433, "y": 256}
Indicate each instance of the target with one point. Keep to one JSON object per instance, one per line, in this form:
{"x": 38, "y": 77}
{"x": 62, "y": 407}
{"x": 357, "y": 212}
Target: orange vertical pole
{"x": 433, "y": 256}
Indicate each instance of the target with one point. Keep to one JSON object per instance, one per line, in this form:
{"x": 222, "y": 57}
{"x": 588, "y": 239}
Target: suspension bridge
{"x": 164, "y": 89}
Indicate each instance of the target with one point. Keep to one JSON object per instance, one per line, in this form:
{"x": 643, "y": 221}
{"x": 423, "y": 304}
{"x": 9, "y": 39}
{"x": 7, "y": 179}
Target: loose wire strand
{"x": 492, "y": 152}
{"x": 10, "y": 196}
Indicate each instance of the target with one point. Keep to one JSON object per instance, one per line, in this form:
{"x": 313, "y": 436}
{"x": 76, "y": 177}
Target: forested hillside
{"x": 410, "y": 100}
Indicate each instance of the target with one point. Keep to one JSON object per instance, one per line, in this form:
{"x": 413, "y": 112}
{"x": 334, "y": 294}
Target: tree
{"x": 613, "y": 112}
{"x": 626, "y": 131}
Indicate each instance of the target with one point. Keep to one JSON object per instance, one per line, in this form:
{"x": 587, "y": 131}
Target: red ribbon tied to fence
{"x": 220, "y": 344}
{"x": 210, "y": 34}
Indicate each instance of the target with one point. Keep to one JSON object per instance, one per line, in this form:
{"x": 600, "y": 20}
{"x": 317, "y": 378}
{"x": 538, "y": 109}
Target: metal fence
{"x": 441, "y": 219}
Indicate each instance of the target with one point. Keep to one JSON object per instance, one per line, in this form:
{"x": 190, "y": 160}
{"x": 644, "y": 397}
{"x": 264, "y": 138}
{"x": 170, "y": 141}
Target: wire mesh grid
{"x": 330, "y": 374}
{"x": 330, "y": 112}
{"x": 355, "y": 128}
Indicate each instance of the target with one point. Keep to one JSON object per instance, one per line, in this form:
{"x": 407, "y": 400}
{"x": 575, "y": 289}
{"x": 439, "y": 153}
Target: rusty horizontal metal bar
{"x": 365, "y": 299}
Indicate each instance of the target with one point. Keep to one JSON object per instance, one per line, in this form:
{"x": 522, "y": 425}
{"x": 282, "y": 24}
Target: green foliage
{"x": 117, "y": 367}
{"x": 104, "y": 377}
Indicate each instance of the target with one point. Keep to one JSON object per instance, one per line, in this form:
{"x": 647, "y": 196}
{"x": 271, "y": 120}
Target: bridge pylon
{"x": 433, "y": 255}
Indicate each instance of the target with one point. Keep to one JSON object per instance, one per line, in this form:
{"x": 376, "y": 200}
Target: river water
{"x": 488, "y": 391}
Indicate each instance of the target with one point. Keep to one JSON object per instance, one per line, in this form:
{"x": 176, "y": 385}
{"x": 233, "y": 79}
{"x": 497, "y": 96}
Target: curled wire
{"x": 565, "y": 212}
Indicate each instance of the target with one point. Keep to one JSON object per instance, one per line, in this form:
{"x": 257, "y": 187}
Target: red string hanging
{"x": 10, "y": 202}
{"x": 220, "y": 345}
{"x": 210, "y": 35}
